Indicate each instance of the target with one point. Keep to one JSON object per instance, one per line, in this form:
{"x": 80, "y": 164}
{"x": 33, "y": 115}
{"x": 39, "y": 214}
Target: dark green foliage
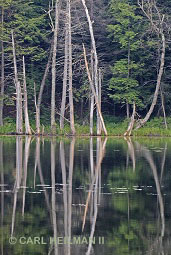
{"x": 127, "y": 47}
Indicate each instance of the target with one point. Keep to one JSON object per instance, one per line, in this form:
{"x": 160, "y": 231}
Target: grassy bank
{"x": 115, "y": 127}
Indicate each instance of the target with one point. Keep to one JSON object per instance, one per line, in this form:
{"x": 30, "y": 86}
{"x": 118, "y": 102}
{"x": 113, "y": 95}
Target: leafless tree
{"x": 96, "y": 77}
{"x": 19, "y": 111}
{"x": 94, "y": 92}
{"x": 70, "y": 70}
{"x": 156, "y": 19}
{"x": 27, "y": 122}
{"x": 65, "y": 75}
{"x": 53, "y": 124}
{"x": 2, "y": 71}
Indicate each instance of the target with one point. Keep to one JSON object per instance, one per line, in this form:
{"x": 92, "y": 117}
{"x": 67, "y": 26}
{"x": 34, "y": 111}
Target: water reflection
{"x": 148, "y": 156}
{"x": 85, "y": 196}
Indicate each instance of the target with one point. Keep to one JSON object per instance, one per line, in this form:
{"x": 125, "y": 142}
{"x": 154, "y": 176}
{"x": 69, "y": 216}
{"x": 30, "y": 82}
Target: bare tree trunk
{"x": 99, "y": 126}
{"x": 95, "y": 61}
{"x": 159, "y": 30}
{"x": 65, "y": 75}
{"x": 163, "y": 107}
{"x": 70, "y": 71}
{"x": 92, "y": 97}
{"x": 131, "y": 124}
{"x": 94, "y": 92}
{"x": 162, "y": 60}
{"x": 2, "y": 71}
{"x": 53, "y": 124}
{"x": 91, "y": 113}
{"x": 27, "y": 123}
{"x": 19, "y": 117}
{"x": 41, "y": 92}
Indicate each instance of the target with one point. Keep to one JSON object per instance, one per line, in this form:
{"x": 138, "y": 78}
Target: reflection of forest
{"x": 116, "y": 189}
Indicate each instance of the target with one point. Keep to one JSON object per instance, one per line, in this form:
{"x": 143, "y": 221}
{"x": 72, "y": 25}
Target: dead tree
{"x": 53, "y": 124}
{"x": 27, "y": 122}
{"x": 150, "y": 8}
{"x": 2, "y": 71}
{"x": 19, "y": 111}
{"x": 65, "y": 75}
{"x": 131, "y": 123}
{"x": 95, "y": 64}
{"x": 94, "y": 92}
{"x": 70, "y": 70}
{"x": 92, "y": 96}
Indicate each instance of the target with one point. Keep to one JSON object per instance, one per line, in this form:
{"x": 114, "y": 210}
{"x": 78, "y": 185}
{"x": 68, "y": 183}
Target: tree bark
{"x": 27, "y": 122}
{"x": 95, "y": 60}
{"x": 53, "y": 124}
{"x": 2, "y": 72}
{"x": 94, "y": 92}
{"x": 92, "y": 74}
{"x": 70, "y": 71}
{"x": 131, "y": 124}
{"x": 65, "y": 75}
{"x": 19, "y": 114}
{"x": 92, "y": 96}
{"x": 99, "y": 126}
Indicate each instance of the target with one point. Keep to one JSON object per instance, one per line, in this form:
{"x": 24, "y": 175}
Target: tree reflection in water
{"x": 61, "y": 189}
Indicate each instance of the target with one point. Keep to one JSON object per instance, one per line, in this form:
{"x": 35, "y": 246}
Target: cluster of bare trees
{"x": 63, "y": 14}
{"x": 94, "y": 77}
{"x": 19, "y": 92}
{"x": 157, "y": 21}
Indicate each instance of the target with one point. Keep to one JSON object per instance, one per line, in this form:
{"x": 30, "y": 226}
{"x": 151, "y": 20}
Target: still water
{"x": 85, "y": 196}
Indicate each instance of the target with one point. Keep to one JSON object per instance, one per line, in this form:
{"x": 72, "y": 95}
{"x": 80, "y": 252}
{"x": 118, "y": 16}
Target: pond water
{"x": 85, "y": 196}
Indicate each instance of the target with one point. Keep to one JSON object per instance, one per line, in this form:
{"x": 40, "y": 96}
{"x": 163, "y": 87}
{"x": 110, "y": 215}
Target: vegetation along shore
{"x": 95, "y": 67}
